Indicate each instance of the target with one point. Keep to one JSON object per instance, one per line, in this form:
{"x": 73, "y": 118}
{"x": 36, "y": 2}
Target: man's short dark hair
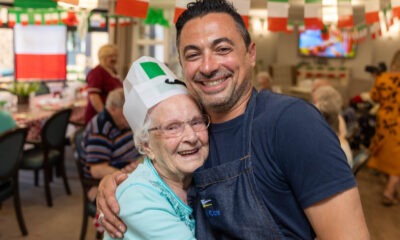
{"x": 203, "y": 7}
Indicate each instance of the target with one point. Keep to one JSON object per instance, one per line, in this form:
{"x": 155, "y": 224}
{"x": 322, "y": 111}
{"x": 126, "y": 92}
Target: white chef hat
{"x": 147, "y": 83}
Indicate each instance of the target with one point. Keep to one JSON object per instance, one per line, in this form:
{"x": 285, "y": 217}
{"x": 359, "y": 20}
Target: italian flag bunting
{"x": 396, "y": 8}
{"x": 38, "y": 19}
{"x": 278, "y": 11}
{"x": 243, "y": 8}
{"x": 24, "y": 19}
{"x": 371, "y": 12}
{"x": 180, "y": 7}
{"x": 38, "y": 57}
{"x": 3, "y": 16}
{"x": 388, "y": 17}
{"x": 12, "y": 19}
{"x": 132, "y": 8}
{"x": 345, "y": 14}
{"x": 55, "y": 18}
{"x": 313, "y": 14}
{"x": 112, "y": 21}
{"x": 290, "y": 27}
{"x": 48, "y": 18}
{"x": 375, "y": 30}
{"x": 359, "y": 33}
{"x": 301, "y": 27}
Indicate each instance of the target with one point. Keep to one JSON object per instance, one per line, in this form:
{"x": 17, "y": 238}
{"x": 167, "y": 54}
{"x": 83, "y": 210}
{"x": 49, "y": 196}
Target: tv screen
{"x": 327, "y": 44}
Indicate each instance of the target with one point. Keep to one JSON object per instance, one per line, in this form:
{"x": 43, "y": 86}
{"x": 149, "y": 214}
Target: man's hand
{"x": 108, "y": 205}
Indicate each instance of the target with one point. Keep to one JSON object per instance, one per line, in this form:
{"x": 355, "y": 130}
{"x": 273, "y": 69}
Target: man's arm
{"x": 339, "y": 217}
{"x": 108, "y": 205}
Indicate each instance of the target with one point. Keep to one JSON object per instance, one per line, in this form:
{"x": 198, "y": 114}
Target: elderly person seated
{"x": 329, "y": 102}
{"x": 264, "y": 81}
{"x": 108, "y": 142}
{"x": 172, "y": 131}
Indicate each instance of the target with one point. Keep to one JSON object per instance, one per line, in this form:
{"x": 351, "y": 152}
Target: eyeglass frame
{"x": 182, "y": 128}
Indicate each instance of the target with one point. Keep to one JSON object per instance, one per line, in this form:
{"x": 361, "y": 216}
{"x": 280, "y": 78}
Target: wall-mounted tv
{"x": 331, "y": 43}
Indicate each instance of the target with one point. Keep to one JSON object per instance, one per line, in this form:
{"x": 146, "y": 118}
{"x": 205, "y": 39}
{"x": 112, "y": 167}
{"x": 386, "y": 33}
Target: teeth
{"x": 213, "y": 83}
{"x": 188, "y": 152}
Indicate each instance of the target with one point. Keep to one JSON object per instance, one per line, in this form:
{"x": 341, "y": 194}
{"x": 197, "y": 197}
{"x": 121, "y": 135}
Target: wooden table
{"x": 34, "y": 115}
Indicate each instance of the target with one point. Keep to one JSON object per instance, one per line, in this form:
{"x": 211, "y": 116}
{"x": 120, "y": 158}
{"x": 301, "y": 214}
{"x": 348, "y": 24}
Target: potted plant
{"x": 23, "y": 90}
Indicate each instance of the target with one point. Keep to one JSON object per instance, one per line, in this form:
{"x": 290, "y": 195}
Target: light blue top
{"x": 150, "y": 209}
{"x": 6, "y": 121}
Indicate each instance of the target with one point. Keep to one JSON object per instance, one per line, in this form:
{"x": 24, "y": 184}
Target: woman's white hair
{"x": 328, "y": 99}
{"x": 142, "y": 136}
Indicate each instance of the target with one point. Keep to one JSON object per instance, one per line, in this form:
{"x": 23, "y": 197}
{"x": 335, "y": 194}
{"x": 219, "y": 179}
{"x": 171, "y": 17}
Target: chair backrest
{"x": 80, "y": 161}
{"x": 360, "y": 160}
{"x": 11, "y": 148}
{"x": 55, "y": 128}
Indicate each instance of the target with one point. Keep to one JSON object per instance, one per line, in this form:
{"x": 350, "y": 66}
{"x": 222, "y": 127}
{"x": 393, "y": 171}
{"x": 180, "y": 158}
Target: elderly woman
{"x": 101, "y": 80}
{"x": 329, "y": 102}
{"x": 172, "y": 131}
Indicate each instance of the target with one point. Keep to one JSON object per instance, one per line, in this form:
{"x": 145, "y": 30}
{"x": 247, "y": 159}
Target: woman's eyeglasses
{"x": 175, "y": 129}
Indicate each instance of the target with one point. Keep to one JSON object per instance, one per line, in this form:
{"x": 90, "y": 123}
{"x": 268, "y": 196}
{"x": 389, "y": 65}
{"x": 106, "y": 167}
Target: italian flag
{"x": 37, "y": 57}
{"x": 278, "y": 11}
{"x": 3, "y": 16}
{"x": 132, "y": 8}
{"x": 180, "y": 7}
{"x": 243, "y": 8}
{"x": 345, "y": 14}
{"x": 371, "y": 12}
{"x": 313, "y": 14}
{"x": 396, "y": 8}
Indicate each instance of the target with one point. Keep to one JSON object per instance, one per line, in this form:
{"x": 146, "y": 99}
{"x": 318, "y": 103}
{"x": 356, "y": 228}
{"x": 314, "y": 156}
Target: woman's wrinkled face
{"x": 177, "y": 156}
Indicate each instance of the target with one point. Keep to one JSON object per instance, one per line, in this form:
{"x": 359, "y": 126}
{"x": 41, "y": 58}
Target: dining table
{"x": 40, "y": 108}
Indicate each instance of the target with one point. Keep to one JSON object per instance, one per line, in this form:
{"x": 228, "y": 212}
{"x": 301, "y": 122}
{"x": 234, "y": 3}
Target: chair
{"x": 50, "y": 152}
{"x": 89, "y": 208}
{"x": 360, "y": 160}
{"x": 11, "y": 148}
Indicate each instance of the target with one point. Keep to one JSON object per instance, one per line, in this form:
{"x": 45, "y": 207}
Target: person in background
{"x": 329, "y": 102}
{"x": 321, "y": 82}
{"x": 275, "y": 168}
{"x": 7, "y": 122}
{"x": 108, "y": 142}
{"x": 101, "y": 80}
{"x": 385, "y": 144}
{"x": 264, "y": 81}
{"x": 172, "y": 131}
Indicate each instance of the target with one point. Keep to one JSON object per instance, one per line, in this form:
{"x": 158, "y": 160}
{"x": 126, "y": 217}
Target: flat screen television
{"x": 328, "y": 44}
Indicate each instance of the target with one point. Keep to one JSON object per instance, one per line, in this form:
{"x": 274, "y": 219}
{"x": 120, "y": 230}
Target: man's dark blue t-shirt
{"x": 297, "y": 158}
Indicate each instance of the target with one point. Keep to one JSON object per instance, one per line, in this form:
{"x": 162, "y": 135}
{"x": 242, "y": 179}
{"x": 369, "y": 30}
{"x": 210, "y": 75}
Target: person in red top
{"x": 101, "y": 80}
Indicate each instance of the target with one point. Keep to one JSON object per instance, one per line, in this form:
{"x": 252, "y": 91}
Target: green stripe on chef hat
{"x": 152, "y": 69}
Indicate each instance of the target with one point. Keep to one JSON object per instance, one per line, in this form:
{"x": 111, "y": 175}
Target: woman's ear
{"x": 148, "y": 151}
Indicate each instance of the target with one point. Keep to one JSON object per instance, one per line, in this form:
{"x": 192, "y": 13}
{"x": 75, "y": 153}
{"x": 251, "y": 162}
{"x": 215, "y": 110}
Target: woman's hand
{"x": 108, "y": 205}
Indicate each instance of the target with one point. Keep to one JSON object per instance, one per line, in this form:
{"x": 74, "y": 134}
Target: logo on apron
{"x": 210, "y": 207}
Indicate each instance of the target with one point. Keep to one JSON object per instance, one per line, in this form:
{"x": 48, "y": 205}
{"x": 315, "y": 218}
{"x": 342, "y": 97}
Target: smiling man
{"x": 275, "y": 169}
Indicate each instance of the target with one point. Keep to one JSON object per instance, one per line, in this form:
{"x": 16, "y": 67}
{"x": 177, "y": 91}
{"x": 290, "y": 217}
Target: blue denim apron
{"x": 225, "y": 198}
